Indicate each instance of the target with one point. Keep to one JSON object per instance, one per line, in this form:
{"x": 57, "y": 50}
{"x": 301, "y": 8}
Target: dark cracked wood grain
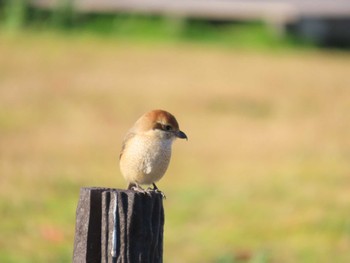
{"x": 121, "y": 226}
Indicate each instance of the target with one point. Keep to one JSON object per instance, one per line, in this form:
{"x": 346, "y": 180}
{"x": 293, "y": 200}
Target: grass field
{"x": 264, "y": 177}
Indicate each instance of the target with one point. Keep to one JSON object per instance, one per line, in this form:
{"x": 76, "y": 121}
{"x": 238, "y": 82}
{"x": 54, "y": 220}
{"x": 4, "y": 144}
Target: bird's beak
{"x": 181, "y": 135}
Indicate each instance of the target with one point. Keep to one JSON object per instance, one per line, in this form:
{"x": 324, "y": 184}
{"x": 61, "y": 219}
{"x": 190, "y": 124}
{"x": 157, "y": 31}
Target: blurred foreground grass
{"x": 264, "y": 177}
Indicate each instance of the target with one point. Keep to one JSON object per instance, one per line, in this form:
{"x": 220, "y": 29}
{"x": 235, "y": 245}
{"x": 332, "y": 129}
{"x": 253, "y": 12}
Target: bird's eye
{"x": 167, "y": 127}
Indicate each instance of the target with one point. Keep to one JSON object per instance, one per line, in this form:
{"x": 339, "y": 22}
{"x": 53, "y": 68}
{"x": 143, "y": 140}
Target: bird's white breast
{"x": 145, "y": 159}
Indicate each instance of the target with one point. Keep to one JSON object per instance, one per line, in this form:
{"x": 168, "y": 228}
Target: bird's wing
{"x": 127, "y": 138}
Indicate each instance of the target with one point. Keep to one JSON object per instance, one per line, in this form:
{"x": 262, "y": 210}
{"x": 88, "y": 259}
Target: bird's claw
{"x": 138, "y": 189}
{"x": 160, "y": 192}
{"x": 148, "y": 191}
{"x": 157, "y": 191}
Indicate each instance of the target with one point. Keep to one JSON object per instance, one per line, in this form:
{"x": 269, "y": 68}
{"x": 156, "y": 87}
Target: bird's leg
{"x": 136, "y": 187}
{"x": 131, "y": 186}
{"x": 155, "y": 188}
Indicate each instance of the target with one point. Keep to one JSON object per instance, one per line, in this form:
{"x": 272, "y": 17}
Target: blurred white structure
{"x": 317, "y": 20}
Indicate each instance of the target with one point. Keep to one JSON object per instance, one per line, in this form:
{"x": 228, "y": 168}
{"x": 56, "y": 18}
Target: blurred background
{"x": 262, "y": 89}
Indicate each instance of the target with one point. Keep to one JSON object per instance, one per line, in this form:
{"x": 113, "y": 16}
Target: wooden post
{"x": 118, "y": 226}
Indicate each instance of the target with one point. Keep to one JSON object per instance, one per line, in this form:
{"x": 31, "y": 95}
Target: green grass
{"x": 264, "y": 176}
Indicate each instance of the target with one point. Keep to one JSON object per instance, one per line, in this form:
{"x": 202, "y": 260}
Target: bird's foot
{"x": 156, "y": 190}
{"x": 137, "y": 188}
{"x": 160, "y": 192}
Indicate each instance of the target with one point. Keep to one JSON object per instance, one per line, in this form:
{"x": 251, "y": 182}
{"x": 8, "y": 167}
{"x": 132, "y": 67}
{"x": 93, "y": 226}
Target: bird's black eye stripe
{"x": 158, "y": 126}
{"x": 164, "y": 127}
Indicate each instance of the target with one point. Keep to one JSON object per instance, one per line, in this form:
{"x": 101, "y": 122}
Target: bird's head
{"x": 161, "y": 124}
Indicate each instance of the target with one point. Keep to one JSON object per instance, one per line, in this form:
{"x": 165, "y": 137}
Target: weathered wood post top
{"x": 123, "y": 226}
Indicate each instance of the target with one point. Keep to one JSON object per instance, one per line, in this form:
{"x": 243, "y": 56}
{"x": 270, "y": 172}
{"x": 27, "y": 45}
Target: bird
{"x": 146, "y": 149}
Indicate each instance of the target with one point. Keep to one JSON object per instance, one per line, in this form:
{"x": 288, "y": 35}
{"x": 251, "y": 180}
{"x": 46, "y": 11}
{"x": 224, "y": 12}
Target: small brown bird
{"x": 146, "y": 150}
